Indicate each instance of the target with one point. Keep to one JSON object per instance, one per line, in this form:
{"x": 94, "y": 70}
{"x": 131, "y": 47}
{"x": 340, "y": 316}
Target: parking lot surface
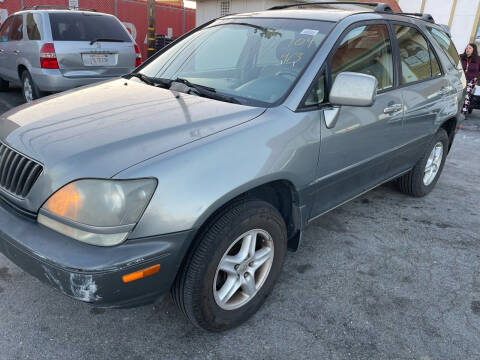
{"x": 385, "y": 276}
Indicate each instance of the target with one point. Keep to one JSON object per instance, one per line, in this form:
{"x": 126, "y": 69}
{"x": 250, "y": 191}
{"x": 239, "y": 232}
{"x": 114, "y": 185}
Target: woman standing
{"x": 471, "y": 66}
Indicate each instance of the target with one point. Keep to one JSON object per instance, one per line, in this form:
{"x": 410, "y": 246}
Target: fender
{"x": 197, "y": 179}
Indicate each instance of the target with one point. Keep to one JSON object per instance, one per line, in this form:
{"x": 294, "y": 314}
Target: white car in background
{"x": 49, "y": 50}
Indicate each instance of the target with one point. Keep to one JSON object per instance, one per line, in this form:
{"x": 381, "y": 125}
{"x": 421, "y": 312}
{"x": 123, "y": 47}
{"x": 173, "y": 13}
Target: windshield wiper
{"x": 206, "y": 91}
{"x": 106, "y": 40}
{"x": 165, "y": 83}
{"x": 258, "y": 27}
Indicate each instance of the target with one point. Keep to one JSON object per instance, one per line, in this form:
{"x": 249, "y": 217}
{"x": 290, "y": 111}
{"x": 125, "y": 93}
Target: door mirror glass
{"x": 353, "y": 89}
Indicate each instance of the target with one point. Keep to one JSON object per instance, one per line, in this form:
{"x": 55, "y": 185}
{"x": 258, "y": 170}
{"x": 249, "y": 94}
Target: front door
{"x": 358, "y": 152}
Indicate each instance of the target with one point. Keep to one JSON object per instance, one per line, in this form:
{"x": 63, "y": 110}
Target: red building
{"x": 170, "y": 18}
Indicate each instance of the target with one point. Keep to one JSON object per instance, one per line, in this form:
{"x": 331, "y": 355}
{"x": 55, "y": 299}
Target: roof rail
{"x": 54, "y": 7}
{"x": 379, "y": 7}
{"x": 423, "y": 16}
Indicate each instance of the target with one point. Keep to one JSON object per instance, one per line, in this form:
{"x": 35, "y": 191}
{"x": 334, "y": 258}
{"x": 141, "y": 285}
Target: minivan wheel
{"x": 424, "y": 176}
{"x": 29, "y": 89}
{"x": 232, "y": 270}
{"x": 4, "y": 86}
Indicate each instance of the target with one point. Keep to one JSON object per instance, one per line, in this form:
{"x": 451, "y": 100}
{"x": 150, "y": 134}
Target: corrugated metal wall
{"x": 133, "y": 13}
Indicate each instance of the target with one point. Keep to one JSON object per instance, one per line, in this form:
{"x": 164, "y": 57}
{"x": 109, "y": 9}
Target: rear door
{"x": 91, "y": 45}
{"x": 13, "y": 51}
{"x": 358, "y": 153}
{"x": 425, "y": 90}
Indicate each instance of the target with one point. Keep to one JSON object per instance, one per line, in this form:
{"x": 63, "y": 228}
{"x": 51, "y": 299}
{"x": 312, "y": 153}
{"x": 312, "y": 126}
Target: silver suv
{"x": 197, "y": 171}
{"x": 55, "y": 50}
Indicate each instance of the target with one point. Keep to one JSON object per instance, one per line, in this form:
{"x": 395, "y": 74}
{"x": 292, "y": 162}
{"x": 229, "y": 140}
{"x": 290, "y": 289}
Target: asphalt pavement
{"x": 385, "y": 276}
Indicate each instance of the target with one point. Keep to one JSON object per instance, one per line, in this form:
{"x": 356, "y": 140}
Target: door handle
{"x": 16, "y": 52}
{"x": 2, "y": 50}
{"x": 393, "y": 108}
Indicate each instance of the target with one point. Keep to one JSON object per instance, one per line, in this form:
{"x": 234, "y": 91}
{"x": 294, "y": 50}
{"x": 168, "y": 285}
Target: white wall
{"x": 440, "y": 10}
{"x": 463, "y": 22}
{"x": 210, "y": 9}
{"x": 412, "y": 6}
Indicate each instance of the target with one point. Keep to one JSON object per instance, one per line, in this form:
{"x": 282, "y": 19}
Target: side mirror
{"x": 353, "y": 89}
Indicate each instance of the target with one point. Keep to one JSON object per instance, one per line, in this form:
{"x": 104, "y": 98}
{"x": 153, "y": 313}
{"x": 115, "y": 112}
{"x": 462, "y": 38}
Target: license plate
{"x": 99, "y": 59}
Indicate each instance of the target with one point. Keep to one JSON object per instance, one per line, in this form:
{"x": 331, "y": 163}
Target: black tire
{"x": 470, "y": 110}
{"x": 35, "y": 92}
{"x": 4, "y": 85}
{"x": 193, "y": 290}
{"x": 412, "y": 183}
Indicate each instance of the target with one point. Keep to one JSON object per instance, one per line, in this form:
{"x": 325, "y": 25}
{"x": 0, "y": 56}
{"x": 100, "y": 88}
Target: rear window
{"x": 86, "y": 27}
{"x": 447, "y": 45}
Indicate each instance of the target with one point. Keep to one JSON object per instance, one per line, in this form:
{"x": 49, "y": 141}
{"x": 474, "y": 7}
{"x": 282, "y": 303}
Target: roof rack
{"x": 55, "y": 7}
{"x": 423, "y": 16}
{"x": 379, "y": 7}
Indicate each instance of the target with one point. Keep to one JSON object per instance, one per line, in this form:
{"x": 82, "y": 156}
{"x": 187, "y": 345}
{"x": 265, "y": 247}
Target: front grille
{"x": 17, "y": 172}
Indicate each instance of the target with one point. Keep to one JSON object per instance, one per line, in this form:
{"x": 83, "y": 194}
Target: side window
{"x": 414, "y": 54}
{"x": 317, "y": 94}
{"x": 447, "y": 45}
{"x": 33, "y": 32}
{"x": 17, "y": 28}
{"x": 6, "y": 28}
{"x": 368, "y": 50}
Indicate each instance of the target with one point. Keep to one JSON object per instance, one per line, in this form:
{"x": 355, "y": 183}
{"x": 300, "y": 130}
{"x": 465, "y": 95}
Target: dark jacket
{"x": 473, "y": 68}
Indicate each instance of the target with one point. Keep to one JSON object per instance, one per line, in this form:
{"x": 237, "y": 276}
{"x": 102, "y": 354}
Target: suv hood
{"x": 100, "y": 130}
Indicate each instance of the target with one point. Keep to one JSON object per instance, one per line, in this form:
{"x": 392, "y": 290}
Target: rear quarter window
{"x": 446, "y": 43}
{"x": 86, "y": 27}
{"x": 33, "y": 27}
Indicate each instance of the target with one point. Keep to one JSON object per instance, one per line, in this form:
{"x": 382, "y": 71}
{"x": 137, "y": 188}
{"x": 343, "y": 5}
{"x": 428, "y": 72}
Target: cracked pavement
{"x": 385, "y": 276}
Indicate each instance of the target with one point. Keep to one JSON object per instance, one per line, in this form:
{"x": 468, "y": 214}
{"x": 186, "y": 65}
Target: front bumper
{"x": 89, "y": 273}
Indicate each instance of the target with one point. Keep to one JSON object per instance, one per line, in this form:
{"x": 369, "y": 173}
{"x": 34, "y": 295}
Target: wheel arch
{"x": 450, "y": 127}
{"x": 281, "y": 194}
{"x": 20, "y": 69}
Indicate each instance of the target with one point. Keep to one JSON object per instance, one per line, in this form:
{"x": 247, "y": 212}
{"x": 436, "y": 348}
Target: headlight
{"x": 98, "y": 212}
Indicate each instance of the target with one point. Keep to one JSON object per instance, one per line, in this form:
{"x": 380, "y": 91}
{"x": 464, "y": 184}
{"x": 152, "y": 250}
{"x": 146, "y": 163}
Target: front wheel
{"x": 234, "y": 267}
{"x": 424, "y": 175}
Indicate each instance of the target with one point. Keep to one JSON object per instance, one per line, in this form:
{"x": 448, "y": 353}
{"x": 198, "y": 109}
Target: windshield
{"x": 254, "y": 60}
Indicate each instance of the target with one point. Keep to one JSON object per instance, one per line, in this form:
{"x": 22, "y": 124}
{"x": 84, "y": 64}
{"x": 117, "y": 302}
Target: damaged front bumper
{"x": 90, "y": 273}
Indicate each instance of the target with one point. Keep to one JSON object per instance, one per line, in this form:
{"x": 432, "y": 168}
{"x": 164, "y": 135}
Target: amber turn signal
{"x": 141, "y": 273}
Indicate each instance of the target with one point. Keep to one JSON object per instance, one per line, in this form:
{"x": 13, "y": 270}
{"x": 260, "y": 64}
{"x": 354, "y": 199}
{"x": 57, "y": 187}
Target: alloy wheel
{"x": 433, "y": 164}
{"x": 243, "y": 269}
{"x": 27, "y": 89}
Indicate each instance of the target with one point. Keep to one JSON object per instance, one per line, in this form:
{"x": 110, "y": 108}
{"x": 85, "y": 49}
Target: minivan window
{"x": 86, "y": 27}
{"x": 367, "y": 50}
{"x": 6, "y": 29}
{"x": 447, "y": 45}
{"x": 33, "y": 31}
{"x": 17, "y": 28}
{"x": 255, "y": 60}
{"x": 414, "y": 54}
